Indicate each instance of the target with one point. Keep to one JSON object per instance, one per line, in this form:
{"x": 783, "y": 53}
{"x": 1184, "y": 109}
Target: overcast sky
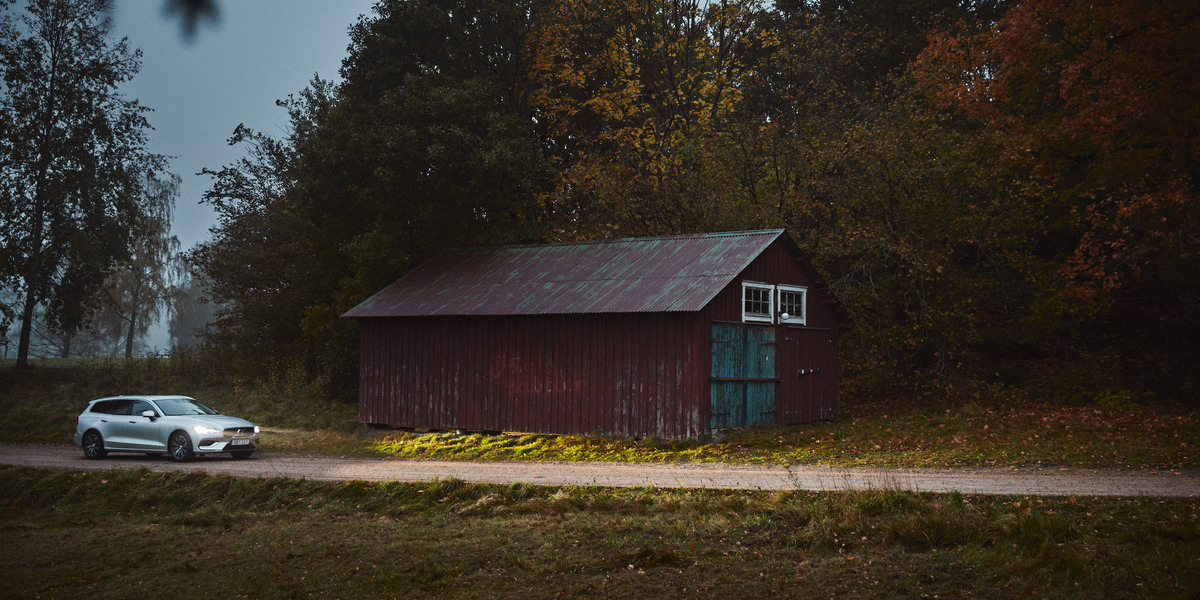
{"x": 231, "y": 71}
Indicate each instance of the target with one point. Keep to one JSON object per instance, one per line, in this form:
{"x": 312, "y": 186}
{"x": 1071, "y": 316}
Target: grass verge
{"x": 141, "y": 534}
{"x": 40, "y": 405}
{"x": 1038, "y": 436}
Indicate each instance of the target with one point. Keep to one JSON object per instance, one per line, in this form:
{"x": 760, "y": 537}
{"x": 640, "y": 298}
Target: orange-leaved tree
{"x": 1098, "y": 98}
{"x": 1102, "y": 94}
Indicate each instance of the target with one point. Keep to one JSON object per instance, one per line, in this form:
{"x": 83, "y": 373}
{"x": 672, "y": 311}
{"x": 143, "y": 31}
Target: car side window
{"x": 139, "y": 406}
{"x": 121, "y": 407}
{"x": 104, "y": 408}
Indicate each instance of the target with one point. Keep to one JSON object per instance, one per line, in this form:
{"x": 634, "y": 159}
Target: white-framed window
{"x": 793, "y": 304}
{"x": 758, "y": 302}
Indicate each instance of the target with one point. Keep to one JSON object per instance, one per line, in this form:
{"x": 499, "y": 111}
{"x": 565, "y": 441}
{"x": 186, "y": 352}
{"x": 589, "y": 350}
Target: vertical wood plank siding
{"x": 623, "y": 374}
{"x": 636, "y": 374}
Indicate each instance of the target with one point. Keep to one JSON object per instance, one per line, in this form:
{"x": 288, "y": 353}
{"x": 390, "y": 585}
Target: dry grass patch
{"x": 139, "y": 534}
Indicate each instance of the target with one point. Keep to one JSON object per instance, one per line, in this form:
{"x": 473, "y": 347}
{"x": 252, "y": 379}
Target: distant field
{"x": 40, "y": 407}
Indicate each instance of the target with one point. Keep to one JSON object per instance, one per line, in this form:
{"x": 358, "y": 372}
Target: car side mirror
{"x": 149, "y": 414}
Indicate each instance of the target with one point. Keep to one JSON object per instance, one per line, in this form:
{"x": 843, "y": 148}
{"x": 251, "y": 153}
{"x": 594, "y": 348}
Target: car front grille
{"x": 236, "y": 431}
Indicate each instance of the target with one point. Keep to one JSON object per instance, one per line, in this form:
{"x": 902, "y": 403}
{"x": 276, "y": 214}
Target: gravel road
{"x": 986, "y": 482}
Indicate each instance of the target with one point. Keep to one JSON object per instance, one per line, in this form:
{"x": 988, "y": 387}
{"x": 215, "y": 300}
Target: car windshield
{"x": 174, "y": 407}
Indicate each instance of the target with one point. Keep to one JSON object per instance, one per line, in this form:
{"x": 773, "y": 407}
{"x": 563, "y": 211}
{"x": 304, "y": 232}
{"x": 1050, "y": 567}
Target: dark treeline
{"x": 998, "y": 193}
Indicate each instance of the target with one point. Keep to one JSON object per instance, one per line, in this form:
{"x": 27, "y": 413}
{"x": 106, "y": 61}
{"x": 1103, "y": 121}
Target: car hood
{"x": 217, "y": 421}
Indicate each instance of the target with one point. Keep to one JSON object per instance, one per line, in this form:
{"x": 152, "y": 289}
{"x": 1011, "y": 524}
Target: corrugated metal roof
{"x": 659, "y": 274}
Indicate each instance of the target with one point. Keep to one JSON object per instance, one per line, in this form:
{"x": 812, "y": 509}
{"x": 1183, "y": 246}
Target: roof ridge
{"x": 678, "y": 236}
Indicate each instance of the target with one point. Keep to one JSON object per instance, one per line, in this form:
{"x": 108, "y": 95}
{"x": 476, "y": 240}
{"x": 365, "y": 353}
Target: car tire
{"x": 242, "y": 454}
{"x": 180, "y": 447}
{"x": 93, "y": 445}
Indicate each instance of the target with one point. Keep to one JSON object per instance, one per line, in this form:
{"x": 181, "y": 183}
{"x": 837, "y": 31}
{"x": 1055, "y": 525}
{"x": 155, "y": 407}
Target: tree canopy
{"x": 988, "y": 188}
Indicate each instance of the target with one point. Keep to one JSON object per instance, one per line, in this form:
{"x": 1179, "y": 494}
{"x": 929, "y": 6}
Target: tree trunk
{"x": 129, "y": 337}
{"x": 26, "y": 327}
{"x": 33, "y": 271}
{"x": 132, "y": 322}
{"x": 33, "y": 274}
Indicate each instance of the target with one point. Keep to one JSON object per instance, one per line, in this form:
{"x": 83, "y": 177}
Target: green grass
{"x": 1042, "y": 436}
{"x": 140, "y": 534}
{"x": 40, "y": 405}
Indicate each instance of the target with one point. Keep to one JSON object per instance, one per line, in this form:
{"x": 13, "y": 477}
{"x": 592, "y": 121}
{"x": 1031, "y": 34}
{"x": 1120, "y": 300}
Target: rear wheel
{"x": 93, "y": 445}
{"x": 180, "y": 447}
{"x": 242, "y": 454}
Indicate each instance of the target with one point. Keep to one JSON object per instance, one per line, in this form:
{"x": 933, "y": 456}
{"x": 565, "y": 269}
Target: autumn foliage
{"x": 1101, "y": 96}
{"x": 997, "y": 193}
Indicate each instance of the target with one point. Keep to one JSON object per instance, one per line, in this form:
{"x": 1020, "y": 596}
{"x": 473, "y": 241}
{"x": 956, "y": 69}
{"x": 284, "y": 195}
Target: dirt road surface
{"x": 984, "y": 482}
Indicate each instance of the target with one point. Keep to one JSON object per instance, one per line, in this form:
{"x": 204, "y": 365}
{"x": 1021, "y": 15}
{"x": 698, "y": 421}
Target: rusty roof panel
{"x": 660, "y": 274}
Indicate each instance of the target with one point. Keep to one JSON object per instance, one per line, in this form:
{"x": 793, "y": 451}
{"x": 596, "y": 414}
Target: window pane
{"x": 756, "y": 302}
{"x": 792, "y": 303}
{"x": 173, "y": 407}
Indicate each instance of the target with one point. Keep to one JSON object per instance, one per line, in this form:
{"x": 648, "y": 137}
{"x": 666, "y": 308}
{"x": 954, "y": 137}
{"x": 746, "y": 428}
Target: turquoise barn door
{"x": 742, "y": 380}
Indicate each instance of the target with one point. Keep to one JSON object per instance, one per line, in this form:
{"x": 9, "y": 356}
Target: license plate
{"x": 240, "y": 443}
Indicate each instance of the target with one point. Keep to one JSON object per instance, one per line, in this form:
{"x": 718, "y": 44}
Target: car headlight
{"x": 205, "y": 430}
{"x": 256, "y": 429}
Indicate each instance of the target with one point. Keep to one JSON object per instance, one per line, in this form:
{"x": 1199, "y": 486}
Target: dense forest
{"x": 998, "y": 194}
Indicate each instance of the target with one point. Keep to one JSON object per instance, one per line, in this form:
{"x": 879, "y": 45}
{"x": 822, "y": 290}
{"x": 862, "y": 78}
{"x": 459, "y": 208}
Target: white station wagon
{"x": 177, "y": 425}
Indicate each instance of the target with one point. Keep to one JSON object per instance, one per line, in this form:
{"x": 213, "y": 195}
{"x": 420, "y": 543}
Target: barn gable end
{"x": 611, "y": 337}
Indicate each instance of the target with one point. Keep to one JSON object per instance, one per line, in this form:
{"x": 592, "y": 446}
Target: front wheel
{"x": 93, "y": 445}
{"x": 180, "y": 447}
{"x": 242, "y": 454}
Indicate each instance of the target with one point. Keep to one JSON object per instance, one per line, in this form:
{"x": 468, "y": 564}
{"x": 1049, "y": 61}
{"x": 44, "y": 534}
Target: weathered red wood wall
{"x": 811, "y": 347}
{"x": 622, "y": 374}
{"x": 636, "y": 374}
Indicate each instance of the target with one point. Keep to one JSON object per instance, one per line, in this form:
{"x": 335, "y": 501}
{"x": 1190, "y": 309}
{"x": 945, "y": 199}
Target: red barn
{"x": 667, "y": 336}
